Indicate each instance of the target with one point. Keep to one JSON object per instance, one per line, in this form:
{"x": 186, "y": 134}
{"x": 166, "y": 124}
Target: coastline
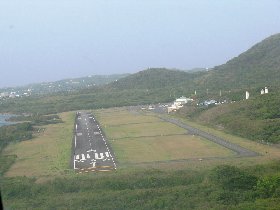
{"x": 4, "y": 119}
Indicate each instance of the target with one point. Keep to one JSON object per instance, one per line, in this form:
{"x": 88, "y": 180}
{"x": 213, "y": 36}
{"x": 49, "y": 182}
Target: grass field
{"x": 45, "y": 155}
{"x": 137, "y": 138}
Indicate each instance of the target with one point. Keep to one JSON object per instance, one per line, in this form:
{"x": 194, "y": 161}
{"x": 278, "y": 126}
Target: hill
{"x": 65, "y": 85}
{"x": 259, "y": 66}
{"x": 154, "y": 78}
{"x": 145, "y": 87}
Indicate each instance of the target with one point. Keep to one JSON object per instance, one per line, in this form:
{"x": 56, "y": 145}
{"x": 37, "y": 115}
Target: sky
{"x": 48, "y": 40}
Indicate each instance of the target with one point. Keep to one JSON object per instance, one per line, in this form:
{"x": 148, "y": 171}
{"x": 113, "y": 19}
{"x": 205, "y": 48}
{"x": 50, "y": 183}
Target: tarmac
{"x": 91, "y": 152}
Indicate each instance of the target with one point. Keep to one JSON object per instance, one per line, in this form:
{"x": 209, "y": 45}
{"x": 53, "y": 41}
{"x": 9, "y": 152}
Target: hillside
{"x": 154, "y": 78}
{"x": 257, "y": 119}
{"x": 65, "y": 85}
{"x": 259, "y": 66}
{"x": 145, "y": 87}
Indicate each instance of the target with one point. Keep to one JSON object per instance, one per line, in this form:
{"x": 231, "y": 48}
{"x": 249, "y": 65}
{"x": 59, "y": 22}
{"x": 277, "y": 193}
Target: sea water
{"x": 3, "y": 118}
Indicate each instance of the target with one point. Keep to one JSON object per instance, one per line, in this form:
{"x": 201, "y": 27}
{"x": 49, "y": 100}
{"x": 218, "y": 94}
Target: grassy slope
{"x": 259, "y": 66}
{"x": 257, "y": 119}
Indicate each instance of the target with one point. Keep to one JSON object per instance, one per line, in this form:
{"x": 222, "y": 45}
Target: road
{"x": 91, "y": 152}
{"x": 241, "y": 151}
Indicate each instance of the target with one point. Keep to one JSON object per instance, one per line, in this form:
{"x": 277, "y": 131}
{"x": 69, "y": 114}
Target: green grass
{"x": 140, "y": 138}
{"x": 45, "y": 155}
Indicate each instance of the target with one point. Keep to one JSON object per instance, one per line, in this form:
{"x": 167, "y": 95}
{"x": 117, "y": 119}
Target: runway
{"x": 91, "y": 152}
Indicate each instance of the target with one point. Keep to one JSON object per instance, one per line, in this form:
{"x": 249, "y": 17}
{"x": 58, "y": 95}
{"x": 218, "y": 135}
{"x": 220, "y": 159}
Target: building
{"x": 265, "y": 90}
{"x": 247, "y": 95}
{"x": 178, "y": 103}
{"x": 183, "y": 100}
{"x": 4, "y": 94}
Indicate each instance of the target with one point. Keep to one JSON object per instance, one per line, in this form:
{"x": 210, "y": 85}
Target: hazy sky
{"x": 46, "y": 40}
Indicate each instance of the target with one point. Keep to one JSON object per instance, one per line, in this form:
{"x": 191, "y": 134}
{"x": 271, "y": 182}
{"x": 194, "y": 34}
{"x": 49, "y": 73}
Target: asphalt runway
{"x": 91, "y": 153}
{"x": 240, "y": 151}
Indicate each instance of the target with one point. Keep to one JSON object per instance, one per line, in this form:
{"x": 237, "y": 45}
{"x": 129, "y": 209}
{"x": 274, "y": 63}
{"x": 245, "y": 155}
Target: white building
{"x": 178, "y": 103}
{"x": 247, "y": 95}
{"x": 4, "y": 94}
{"x": 183, "y": 100}
{"x": 265, "y": 90}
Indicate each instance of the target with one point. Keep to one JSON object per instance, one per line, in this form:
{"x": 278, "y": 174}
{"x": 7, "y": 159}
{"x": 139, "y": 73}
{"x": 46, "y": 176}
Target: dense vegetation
{"x": 155, "y": 79}
{"x": 12, "y": 134}
{"x": 224, "y": 187}
{"x": 66, "y": 85}
{"x": 146, "y": 87}
{"x": 259, "y": 66}
{"x": 38, "y": 119}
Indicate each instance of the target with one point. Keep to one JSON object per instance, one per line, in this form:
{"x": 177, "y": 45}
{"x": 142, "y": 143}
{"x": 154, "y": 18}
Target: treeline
{"x": 15, "y": 133}
{"x": 37, "y": 119}
{"x": 224, "y": 187}
{"x": 12, "y": 134}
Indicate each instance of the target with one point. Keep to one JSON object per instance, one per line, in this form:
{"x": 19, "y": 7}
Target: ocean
{"x": 3, "y": 117}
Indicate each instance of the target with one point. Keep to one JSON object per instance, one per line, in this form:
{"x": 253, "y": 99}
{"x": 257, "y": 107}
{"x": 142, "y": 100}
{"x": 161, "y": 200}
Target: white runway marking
{"x": 88, "y": 156}
{"x": 97, "y": 156}
{"x": 77, "y": 157}
{"x": 83, "y": 157}
{"x": 91, "y": 150}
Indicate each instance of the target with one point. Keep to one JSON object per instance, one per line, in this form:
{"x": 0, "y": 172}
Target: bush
{"x": 233, "y": 178}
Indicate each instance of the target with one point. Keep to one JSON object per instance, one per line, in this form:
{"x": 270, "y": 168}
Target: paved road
{"x": 241, "y": 151}
{"x": 91, "y": 152}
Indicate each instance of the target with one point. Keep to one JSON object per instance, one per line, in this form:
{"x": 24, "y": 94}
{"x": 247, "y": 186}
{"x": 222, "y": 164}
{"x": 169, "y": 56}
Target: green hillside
{"x": 257, "y": 118}
{"x": 154, "y": 78}
{"x": 65, "y": 85}
{"x": 258, "y": 66}
{"x": 145, "y": 87}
